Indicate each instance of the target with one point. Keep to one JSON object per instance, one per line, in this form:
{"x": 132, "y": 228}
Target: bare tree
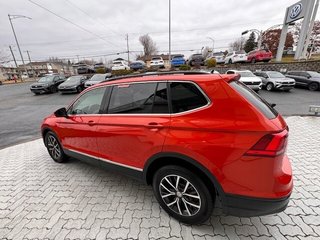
{"x": 149, "y": 46}
{"x": 4, "y": 58}
{"x": 236, "y": 45}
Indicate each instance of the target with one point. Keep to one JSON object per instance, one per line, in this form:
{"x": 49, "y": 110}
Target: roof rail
{"x": 147, "y": 74}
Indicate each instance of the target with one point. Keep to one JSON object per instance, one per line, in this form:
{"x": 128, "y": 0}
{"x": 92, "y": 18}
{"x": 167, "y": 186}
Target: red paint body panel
{"x": 216, "y": 136}
{"x": 260, "y": 55}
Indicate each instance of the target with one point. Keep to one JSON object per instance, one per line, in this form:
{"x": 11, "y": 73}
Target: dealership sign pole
{"x": 302, "y": 9}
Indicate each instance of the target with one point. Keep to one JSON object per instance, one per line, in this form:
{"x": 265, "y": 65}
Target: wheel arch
{"x": 163, "y": 159}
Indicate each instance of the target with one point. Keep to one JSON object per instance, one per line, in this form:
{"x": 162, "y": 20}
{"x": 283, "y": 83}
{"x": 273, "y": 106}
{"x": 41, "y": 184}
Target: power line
{"x": 74, "y": 24}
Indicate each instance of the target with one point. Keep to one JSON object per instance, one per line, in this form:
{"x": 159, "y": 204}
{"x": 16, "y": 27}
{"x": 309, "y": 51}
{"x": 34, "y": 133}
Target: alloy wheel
{"x": 53, "y": 147}
{"x": 180, "y": 195}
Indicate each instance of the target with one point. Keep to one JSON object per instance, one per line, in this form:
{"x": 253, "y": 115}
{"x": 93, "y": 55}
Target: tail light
{"x": 270, "y": 145}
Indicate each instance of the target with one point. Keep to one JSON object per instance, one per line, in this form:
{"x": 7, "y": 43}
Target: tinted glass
{"x": 160, "y": 104}
{"x": 185, "y": 97}
{"x": 132, "y": 98}
{"x": 88, "y": 103}
{"x": 246, "y": 74}
{"x": 314, "y": 74}
{"x": 255, "y": 100}
{"x": 276, "y": 75}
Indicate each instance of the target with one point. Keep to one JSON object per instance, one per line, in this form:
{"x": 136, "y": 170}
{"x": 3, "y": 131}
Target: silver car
{"x": 97, "y": 78}
{"x": 273, "y": 80}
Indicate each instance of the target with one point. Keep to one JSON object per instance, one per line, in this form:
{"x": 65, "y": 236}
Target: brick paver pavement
{"x": 40, "y": 199}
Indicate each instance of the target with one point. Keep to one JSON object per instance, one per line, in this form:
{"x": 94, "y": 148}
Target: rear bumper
{"x": 242, "y": 206}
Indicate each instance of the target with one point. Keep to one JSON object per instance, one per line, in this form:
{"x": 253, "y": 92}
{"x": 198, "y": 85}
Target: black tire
{"x": 53, "y": 89}
{"x": 253, "y": 60}
{"x": 313, "y": 86}
{"x": 36, "y": 93}
{"x": 54, "y": 148}
{"x": 79, "y": 89}
{"x": 181, "y": 208}
{"x": 269, "y": 87}
{"x": 230, "y": 61}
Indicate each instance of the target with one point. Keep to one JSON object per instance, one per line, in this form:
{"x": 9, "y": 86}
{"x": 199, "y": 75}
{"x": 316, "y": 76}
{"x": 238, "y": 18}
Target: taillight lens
{"x": 270, "y": 145}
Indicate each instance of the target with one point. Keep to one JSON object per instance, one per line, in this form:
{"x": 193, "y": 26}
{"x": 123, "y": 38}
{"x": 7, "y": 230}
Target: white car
{"x": 219, "y": 57}
{"x": 236, "y": 57}
{"x": 119, "y": 65}
{"x": 248, "y": 78}
{"x": 157, "y": 62}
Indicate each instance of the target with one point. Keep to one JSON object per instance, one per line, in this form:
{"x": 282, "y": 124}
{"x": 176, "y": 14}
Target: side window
{"x": 185, "y": 97}
{"x": 160, "y": 104}
{"x": 230, "y": 72}
{"x": 55, "y": 79}
{"x": 264, "y": 75}
{"x": 137, "y": 98}
{"x": 88, "y": 103}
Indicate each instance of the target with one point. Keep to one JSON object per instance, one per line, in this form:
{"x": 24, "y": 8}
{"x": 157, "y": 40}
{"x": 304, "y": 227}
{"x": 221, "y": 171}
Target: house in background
{"x": 36, "y": 69}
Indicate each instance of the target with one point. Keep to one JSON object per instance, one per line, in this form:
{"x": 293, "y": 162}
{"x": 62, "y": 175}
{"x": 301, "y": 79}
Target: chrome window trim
{"x": 209, "y": 102}
{"x": 105, "y": 160}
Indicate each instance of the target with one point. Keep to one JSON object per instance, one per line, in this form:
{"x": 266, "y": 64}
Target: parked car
{"x": 308, "y": 79}
{"x": 99, "y": 67}
{"x": 84, "y": 69}
{"x": 219, "y": 57}
{"x": 261, "y": 55}
{"x": 157, "y": 62}
{"x": 97, "y": 78}
{"x": 236, "y": 57}
{"x": 248, "y": 78}
{"x": 47, "y": 84}
{"x": 119, "y": 65}
{"x": 178, "y": 60}
{"x": 74, "y": 84}
{"x": 196, "y": 59}
{"x": 137, "y": 65}
{"x": 196, "y": 138}
{"x": 273, "y": 80}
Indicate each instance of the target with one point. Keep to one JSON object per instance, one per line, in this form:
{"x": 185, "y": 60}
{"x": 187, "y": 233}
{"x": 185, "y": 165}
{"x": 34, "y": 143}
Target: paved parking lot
{"x": 40, "y": 199}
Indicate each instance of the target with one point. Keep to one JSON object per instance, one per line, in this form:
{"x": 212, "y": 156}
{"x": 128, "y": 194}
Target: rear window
{"x": 255, "y": 100}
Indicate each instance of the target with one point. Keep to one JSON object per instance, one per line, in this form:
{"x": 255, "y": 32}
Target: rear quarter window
{"x": 261, "y": 104}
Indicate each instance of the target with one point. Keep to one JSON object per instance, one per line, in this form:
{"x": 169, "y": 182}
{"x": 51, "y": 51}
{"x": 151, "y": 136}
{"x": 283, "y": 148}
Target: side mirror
{"x": 62, "y": 112}
{"x": 273, "y": 105}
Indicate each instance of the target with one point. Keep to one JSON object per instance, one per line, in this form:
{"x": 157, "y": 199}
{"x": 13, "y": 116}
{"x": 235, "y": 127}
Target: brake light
{"x": 270, "y": 145}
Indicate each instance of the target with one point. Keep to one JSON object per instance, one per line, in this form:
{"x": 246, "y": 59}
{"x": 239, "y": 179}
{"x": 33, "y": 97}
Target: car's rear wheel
{"x": 253, "y": 60}
{"x": 182, "y": 194}
{"x": 54, "y": 147}
{"x": 269, "y": 87}
{"x": 313, "y": 86}
{"x": 230, "y": 61}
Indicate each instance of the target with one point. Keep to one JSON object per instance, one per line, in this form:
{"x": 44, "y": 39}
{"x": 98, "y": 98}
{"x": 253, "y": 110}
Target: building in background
{"x": 36, "y": 69}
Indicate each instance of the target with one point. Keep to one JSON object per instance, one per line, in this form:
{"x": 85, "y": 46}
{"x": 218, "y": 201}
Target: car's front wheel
{"x": 182, "y": 194}
{"x": 54, "y": 147}
{"x": 313, "y": 86}
{"x": 269, "y": 87}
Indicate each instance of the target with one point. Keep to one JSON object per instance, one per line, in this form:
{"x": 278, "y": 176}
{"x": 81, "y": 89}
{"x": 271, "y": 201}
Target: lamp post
{"x": 212, "y": 43}
{"x": 11, "y": 17}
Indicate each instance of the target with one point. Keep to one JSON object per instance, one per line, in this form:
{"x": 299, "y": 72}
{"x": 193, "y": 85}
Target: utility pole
{"x": 30, "y": 63}
{"x": 127, "y": 38}
{"x": 15, "y": 62}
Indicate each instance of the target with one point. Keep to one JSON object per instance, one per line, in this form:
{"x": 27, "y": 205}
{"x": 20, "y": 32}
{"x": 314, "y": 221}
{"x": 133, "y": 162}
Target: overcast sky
{"x": 109, "y": 21}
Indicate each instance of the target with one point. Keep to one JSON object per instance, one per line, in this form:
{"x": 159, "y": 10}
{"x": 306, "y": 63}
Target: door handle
{"x": 154, "y": 125}
{"x": 91, "y": 123}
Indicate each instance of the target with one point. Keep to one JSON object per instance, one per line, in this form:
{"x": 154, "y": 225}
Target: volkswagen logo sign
{"x": 295, "y": 11}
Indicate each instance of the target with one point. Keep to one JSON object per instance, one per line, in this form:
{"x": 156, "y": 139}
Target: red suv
{"x": 196, "y": 138}
{"x": 261, "y": 55}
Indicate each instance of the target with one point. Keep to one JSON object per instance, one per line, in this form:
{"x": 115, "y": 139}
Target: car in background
{"x": 197, "y": 139}
{"x": 47, "y": 84}
{"x": 84, "y": 69}
{"x": 119, "y": 65}
{"x": 273, "y": 80}
{"x": 157, "y": 62}
{"x": 97, "y": 78}
{"x": 99, "y": 68}
{"x": 309, "y": 79}
{"x": 74, "y": 84}
{"x": 196, "y": 59}
{"x": 219, "y": 57}
{"x": 178, "y": 60}
{"x": 236, "y": 57}
{"x": 248, "y": 78}
{"x": 137, "y": 65}
{"x": 261, "y": 55}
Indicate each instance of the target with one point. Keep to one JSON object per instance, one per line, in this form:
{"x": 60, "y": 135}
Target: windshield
{"x": 246, "y": 74}
{"x": 46, "y": 79}
{"x": 74, "y": 79}
{"x": 314, "y": 74}
{"x": 98, "y": 77}
{"x": 275, "y": 75}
